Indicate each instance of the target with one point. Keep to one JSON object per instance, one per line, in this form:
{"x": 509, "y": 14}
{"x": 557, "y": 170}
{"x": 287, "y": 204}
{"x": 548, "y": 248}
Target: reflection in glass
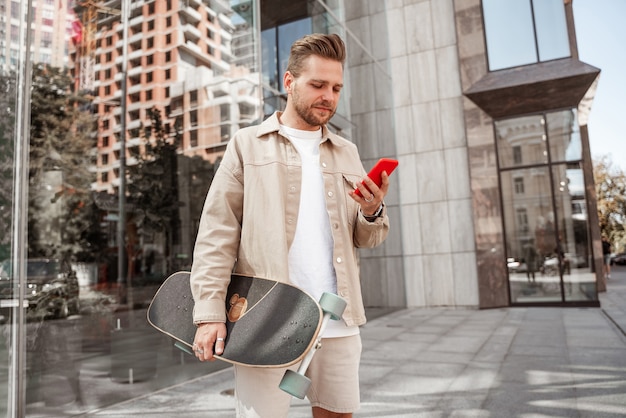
{"x": 564, "y": 136}
{"x": 530, "y": 235}
{"x": 551, "y": 29}
{"x": 519, "y": 33}
{"x": 193, "y": 79}
{"x": 509, "y": 32}
{"x": 191, "y": 85}
{"x": 276, "y": 48}
{"x": 544, "y": 208}
{"x": 8, "y": 287}
{"x": 521, "y": 141}
{"x": 574, "y": 244}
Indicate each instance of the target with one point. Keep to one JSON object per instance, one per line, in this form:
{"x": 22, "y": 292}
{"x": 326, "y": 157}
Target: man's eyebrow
{"x": 340, "y": 85}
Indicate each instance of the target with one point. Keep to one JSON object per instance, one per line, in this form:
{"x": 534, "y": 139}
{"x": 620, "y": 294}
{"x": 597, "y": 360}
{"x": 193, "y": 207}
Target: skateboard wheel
{"x": 333, "y": 304}
{"x": 183, "y": 347}
{"x": 295, "y": 384}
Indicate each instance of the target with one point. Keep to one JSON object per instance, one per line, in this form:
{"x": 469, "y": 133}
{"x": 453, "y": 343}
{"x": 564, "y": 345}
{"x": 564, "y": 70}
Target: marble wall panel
{"x": 419, "y": 27}
{"x": 457, "y": 177}
{"x": 414, "y": 280}
{"x": 411, "y": 230}
{"x": 461, "y": 226}
{"x": 397, "y": 37}
{"x": 465, "y": 279}
{"x": 423, "y": 77}
{"x": 362, "y": 82}
{"x": 438, "y": 279}
{"x": 434, "y": 218}
{"x": 444, "y": 31}
{"x": 405, "y": 139}
{"x": 427, "y": 125}
{"x": 449, "y": 83}
{"x": 431, "y": 177}
{"x": 407, "y": 179}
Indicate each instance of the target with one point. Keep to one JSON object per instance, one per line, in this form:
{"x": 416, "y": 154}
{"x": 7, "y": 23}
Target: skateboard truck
{"x": 296, "y": 383}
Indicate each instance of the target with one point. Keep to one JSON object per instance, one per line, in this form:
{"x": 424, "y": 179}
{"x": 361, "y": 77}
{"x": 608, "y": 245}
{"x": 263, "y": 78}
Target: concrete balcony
{"x": 191, "y": 32}
{"x": 191, "y": 14}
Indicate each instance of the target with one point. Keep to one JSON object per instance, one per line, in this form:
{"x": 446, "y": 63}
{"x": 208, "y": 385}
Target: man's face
{"x": 315, "y": 93}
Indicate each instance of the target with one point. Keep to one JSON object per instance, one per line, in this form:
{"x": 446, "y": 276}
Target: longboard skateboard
{"x": 269, "y": 323}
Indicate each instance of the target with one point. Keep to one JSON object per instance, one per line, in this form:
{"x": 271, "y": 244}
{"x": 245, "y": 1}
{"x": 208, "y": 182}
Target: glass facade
{"x": 73, "y": 295}
{"x": 521, "y": 32}
{"x": 548, "y": 249}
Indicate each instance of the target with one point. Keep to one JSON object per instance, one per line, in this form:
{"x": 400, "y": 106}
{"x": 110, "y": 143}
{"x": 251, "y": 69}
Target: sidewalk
{"x": 510, "y": 362}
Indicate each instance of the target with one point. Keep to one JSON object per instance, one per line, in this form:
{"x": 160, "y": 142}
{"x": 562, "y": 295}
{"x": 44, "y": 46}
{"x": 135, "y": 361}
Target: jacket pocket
{"x": 349, "y": 183}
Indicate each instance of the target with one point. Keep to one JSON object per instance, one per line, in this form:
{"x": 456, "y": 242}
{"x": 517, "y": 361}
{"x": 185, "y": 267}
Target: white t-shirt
{"x": 311, "y": 253}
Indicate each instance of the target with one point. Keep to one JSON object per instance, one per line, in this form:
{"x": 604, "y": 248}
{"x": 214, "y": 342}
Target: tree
{"x": 7, "y": 130}
{"x": 63, "y": 219}
{"x": 611, "y": 194}
{"x": 153, "y": 189}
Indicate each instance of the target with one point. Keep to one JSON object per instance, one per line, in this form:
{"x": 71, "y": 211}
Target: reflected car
{"x": 50, "y": 291}
{"x": 576, "y": 260}
{"x": 515, "y": 266}
{"x": 619, "y": 259}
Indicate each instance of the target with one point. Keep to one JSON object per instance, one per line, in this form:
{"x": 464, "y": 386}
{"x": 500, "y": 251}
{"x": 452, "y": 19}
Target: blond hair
{"x": 329, "y": 46}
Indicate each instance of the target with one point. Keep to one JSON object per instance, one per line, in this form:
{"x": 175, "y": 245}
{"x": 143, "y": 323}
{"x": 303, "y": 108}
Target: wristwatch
{"x": 372, "y": 218}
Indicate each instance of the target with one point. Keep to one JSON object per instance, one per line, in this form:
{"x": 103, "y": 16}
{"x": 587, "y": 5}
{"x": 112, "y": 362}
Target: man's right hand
{"x": 209, "y": 336}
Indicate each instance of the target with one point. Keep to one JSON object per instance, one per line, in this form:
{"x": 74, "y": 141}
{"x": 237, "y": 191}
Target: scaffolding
{"x": 87, "y": 12}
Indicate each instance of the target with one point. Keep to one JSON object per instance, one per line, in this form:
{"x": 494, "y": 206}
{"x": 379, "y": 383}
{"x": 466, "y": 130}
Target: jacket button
{"x": 330, "y": 194}
{"x": 339, "y": 260}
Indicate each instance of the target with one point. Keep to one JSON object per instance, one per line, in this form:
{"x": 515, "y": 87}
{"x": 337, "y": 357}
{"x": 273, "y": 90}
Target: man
{"x": 606, "y": 255}
{"x": 530, "y": 257}
{"x": 282, "y": 206}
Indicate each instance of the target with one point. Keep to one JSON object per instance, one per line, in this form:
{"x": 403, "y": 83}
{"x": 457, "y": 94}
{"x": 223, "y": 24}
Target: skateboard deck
{"x": 269, "y": 323}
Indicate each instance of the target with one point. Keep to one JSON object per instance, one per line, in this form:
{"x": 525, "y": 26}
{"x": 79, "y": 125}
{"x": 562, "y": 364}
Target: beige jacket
{"x": 250, "y": 216}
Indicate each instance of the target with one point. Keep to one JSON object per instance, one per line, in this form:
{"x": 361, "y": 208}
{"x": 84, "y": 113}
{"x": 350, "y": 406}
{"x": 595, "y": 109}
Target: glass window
{"x": 269, "y": 61}
{"x": 519, "y": 185}
{"x": 521, "y": 32}
{"x": 564, "y": 136}
{"x": 287, "y": 35}
{"x": 551, "y": 29}
{"x": 509, "y": 32}
{"x": 573, "y": 250}
{"x": 521, "y": 141}
{"x": 276, "y": 44}
{"x": 544, "y": 208}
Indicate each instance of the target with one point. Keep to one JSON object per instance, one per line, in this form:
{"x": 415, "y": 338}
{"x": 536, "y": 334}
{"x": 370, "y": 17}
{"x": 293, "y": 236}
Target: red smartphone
{"x": 384, "y": 164}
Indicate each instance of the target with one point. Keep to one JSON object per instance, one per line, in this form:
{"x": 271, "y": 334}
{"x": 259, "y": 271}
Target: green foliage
{"x": 63, "y": 220}
{"x": 7, "y": 129}
{"x": 153, "y": 187}
{"x": 611, "y": 194}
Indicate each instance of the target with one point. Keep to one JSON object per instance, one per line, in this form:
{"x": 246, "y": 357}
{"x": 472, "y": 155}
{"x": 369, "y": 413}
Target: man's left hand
{"x": 371, "y": 195}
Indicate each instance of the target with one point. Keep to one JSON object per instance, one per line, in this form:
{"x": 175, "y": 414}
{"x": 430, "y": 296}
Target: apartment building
{"x": 51, "y": 22}
{"x": 179, "y": 61}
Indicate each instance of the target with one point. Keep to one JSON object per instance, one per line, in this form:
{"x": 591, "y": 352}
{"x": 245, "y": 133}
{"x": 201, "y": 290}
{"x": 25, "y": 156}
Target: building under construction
{"x": 182, "y": 59}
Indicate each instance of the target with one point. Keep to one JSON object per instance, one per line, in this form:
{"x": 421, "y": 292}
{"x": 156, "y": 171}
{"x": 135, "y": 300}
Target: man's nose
{"x": 329, "y": 94}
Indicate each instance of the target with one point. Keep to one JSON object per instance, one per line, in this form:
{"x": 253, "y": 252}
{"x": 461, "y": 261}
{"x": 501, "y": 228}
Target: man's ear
{"x": 288, "y": 81}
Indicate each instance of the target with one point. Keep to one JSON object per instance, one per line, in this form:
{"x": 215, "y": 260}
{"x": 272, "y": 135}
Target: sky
{"x": 601, "y": 37}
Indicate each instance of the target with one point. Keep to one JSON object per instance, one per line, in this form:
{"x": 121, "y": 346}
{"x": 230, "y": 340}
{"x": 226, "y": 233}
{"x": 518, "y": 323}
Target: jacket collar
{"x": 272, "y": 124}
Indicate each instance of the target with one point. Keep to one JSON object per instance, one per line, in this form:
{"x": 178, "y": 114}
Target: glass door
{"x": 545, "y": 213}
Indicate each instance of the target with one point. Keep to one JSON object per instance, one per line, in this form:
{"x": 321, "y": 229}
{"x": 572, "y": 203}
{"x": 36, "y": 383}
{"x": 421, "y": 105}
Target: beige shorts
{"x": 334, "y": 374}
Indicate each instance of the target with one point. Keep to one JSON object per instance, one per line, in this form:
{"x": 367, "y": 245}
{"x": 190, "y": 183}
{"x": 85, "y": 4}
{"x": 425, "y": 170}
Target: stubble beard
{"x": 307, "y": 113}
